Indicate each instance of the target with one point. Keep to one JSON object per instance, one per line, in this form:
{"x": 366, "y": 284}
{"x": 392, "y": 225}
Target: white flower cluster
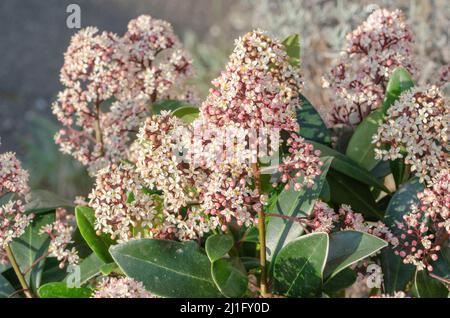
{"x": 215, "y": 182}
{"x": 12, "y": 177}
{"x": 146, "y": 64}
{"x": 13, "y": 220}
{"x": 426, "y": 228}
{"x": 258, "y": 88}
{"x": 325, "y": 219}
{"x": 417, "y": 130}
{"x": 322, "y": 26}
{"x": 122, "y": 209}
{"x": 373, "y": 51}
{"x": 125, "y": 287}
{"x": 60, "y": 233}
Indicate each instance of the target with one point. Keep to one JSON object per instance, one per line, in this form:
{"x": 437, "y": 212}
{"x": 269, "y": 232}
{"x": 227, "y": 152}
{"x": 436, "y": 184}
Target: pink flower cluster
{"x": 13, "y": 220}
{"x": 258, "y": 88}
{"x": 417, "y": 130}
{"x": 125, "y": 287}
{"x": 325, "y": 219}
{"x": 217, "y": 180}
{"x": 60, "y": 233}
{"x": 360, "y": 76}
{"x": 109, "y": 83}
{"x": 427, "y": 227}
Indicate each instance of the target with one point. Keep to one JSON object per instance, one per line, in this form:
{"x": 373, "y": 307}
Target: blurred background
{"x": 34, "y": 36}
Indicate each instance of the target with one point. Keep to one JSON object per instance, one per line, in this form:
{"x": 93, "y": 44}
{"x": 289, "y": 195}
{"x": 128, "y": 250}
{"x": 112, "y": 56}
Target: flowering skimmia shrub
{"x": 247, "y": 193}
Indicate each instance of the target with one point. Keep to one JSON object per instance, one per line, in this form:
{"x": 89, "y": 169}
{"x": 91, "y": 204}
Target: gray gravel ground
{"x": 34, "y": 36}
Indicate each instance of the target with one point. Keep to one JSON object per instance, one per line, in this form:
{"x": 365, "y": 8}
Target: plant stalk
{"x": 98, "y": 129}
{"x": 262, "y": 233}
{"x": 22, "y": 280}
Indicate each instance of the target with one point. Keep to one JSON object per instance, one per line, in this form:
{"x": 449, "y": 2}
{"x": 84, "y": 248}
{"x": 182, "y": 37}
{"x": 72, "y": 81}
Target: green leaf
{"x": 52, "y": 272}
{"x": 251, "y": 235}
{"x": 250, "y": 262}
{"x": 397, "y": 274}
{"x": 183, "y": 110}
{"x": 60, "y": 290}
{"x": 345, "y": 190}
{"x": 107, "y": 269}
{"x": 44, "y": 201}
{"x": 4, "y": 267}
{"x": 344, "y": 279}
{"x": 6, "y": 288}
{"x": 5, "y": 198}
{"x": 217, "y": 246}
{"x": 311, "y": 124}
{"x": 30, "y": 246}
{"x": 441, "y": 267}
{"x": 360, "y": 148}
{"x": 292, "y": 47}
{"x": 89, "y": 268}
{"x": 86, "y": 224}
{"x": 349, "y": 247}
{"x": 230, "y": 277}
{"x": 167, "y": 268}
{"x": 168, "y": 105}
{"x": 345, "y": 165}
{"x": 325, "y": 194}
{"x": 291, "y": 203}
{"x": 399, "y": 82}
{"x": 399, "y": 171}
{"x": 186, "y": 113}
{"x": 400, "y": 204}
{"x": 298, "y": 268}
{"x": 427, "y": 287}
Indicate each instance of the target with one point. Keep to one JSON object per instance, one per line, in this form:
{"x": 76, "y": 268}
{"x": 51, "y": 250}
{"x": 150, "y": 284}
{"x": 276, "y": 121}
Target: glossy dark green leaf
{"x": 107, "y": 269}
{"x": 251, "y": 235}
{"x": 325, "y": 194}
{"x": 360, "y": 148}
{"x": 344, "y": 279}
{"x": 31, "y": 246}
{"x": 98, "y": 243}
{"x": 298, "y": 268}
{"x": 250, "y": 262}
{"x": 4, "y": 267}
{"x": 292, "y": 47}
{"x": 6, "y": 288}
{"x": 217, "y": 246}
{"x": 428, "y": 287}
{"x": 87, "y": 269}
{"x": 345, "y": 165}
{"x": 312, "y": 127}
{"x": 291, "y": 203}
{"x": 230, "y": 276}
{"x": 168, "y": 105}
{"x": 60, "y": 290}
{"x": 399, "y": 82}
{"x": 44, "y": 201}
{"x": 5, "y": 198}
{"x": 349, "y": 247}
{"x": 345, "y": 190}
{"x": 397, "y": 274}
{"x": 167, "y": 268}
{"x": 399, "y": 171}
{"x": 52, "y": 272}
{"x": 187, "y": 113}
{"x": 441, "y": 267}
{"x": 401, "y": 202}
